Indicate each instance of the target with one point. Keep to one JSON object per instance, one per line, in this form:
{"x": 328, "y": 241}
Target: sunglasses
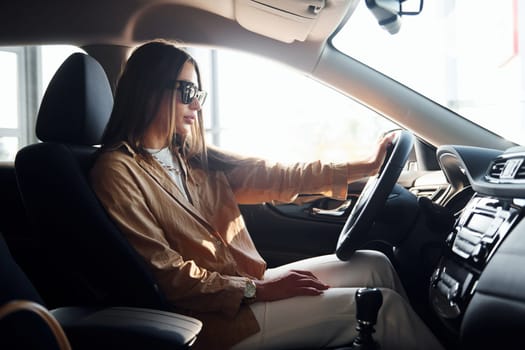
{"x": 188, "y": 91}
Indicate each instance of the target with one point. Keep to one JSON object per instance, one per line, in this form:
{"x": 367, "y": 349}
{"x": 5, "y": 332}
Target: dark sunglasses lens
{"x": 188, "y": 92}
{"x": 186, "y": 96}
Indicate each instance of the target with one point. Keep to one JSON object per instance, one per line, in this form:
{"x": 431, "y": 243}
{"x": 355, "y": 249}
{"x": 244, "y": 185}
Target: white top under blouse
{"x": 169, "y": 162}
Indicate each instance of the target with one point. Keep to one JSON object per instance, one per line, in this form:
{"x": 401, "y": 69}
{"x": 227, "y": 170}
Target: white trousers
{"x": 328, "y": 320}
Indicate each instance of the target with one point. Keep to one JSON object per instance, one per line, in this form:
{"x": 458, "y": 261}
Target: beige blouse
{"x": 199, "y": 248}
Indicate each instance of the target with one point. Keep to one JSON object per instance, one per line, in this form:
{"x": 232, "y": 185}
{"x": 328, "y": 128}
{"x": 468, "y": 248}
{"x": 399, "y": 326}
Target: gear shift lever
{"x": 368, "y": 301}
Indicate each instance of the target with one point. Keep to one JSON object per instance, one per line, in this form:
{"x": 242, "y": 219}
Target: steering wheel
{"x": 374, "y": 196}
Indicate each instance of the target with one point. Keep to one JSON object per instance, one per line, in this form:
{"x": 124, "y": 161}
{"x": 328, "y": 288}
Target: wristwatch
{"x": 249, "y": 290}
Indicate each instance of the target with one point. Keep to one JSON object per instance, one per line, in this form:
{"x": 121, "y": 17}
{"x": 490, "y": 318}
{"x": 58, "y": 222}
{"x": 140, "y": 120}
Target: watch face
{"x": 249, "y": 289}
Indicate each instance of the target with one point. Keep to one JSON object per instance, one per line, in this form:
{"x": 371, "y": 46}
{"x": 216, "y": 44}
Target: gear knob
{"x": 368, "y": 301}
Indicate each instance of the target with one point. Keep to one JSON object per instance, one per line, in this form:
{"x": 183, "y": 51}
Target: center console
{"x": 476, "y": 235}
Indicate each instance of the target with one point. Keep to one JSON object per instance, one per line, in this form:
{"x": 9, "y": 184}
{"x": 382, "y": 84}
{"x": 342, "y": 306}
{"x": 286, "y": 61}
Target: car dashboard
{"x": 478, "y": 288}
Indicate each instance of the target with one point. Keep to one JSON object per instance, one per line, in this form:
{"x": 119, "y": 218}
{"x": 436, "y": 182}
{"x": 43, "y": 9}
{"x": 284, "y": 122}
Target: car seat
{"x": 89, "y": 258}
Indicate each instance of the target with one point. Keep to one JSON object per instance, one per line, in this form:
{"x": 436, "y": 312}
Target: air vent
{"x": 507, "y": 169}
{"x": 497, "y": 168}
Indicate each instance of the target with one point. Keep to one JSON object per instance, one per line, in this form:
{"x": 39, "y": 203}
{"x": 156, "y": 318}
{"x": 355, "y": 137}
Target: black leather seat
{"x": 91, "y": 261}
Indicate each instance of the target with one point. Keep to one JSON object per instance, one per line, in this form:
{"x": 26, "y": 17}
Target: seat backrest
{"x": 97, "y": 264}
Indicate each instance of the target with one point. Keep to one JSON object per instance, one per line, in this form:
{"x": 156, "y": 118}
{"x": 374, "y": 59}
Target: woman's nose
{"x": 195, "y": 105}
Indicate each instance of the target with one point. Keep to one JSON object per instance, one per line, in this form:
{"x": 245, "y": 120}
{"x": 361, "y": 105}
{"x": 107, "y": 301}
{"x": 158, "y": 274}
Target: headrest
{"x": 77, "y": 103}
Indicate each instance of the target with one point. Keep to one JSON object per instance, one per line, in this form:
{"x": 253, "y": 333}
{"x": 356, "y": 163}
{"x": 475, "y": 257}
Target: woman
{"x": 176, "y": 200}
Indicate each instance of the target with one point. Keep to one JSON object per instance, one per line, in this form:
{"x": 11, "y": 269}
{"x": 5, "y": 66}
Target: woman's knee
{"x": 381, "y": 270}
{"x": 376, "y": 260}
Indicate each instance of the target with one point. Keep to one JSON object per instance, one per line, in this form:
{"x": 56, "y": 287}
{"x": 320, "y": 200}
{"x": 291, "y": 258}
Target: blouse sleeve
{"x": 184, "y": 283}
{"x": 257, "y": 181}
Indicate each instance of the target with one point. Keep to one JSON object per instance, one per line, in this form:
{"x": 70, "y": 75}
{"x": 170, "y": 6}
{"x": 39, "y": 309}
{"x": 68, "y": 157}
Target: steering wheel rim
{"x": 373, "y": 197}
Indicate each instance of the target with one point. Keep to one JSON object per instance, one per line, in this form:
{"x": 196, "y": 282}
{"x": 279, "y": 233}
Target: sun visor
{"x": 283, "y": 20}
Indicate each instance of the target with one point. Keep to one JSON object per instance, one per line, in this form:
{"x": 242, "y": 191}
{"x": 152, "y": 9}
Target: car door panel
{"x": 282, "y": 235}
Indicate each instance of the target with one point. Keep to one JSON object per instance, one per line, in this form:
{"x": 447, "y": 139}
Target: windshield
{"x": 463, "y": 54}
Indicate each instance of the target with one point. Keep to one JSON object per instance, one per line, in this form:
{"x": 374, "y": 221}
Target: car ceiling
{"x": 257, "y": 24}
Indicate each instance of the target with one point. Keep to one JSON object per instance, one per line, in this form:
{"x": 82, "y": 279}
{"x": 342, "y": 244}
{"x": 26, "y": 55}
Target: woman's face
{"x": 186, "y": 114}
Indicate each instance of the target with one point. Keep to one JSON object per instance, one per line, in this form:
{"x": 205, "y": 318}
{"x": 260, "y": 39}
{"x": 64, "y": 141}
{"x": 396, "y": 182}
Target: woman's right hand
{"x": 291, "y": 284}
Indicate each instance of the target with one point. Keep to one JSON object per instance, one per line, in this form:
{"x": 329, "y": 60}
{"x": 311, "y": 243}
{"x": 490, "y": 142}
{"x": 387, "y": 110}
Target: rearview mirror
{"x": 388, "y": 12}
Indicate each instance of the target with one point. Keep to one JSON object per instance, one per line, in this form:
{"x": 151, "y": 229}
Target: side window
{"x": 25, "y": 73}
{"x": 11, "y": 132}
{"x": 260, "y": 108}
